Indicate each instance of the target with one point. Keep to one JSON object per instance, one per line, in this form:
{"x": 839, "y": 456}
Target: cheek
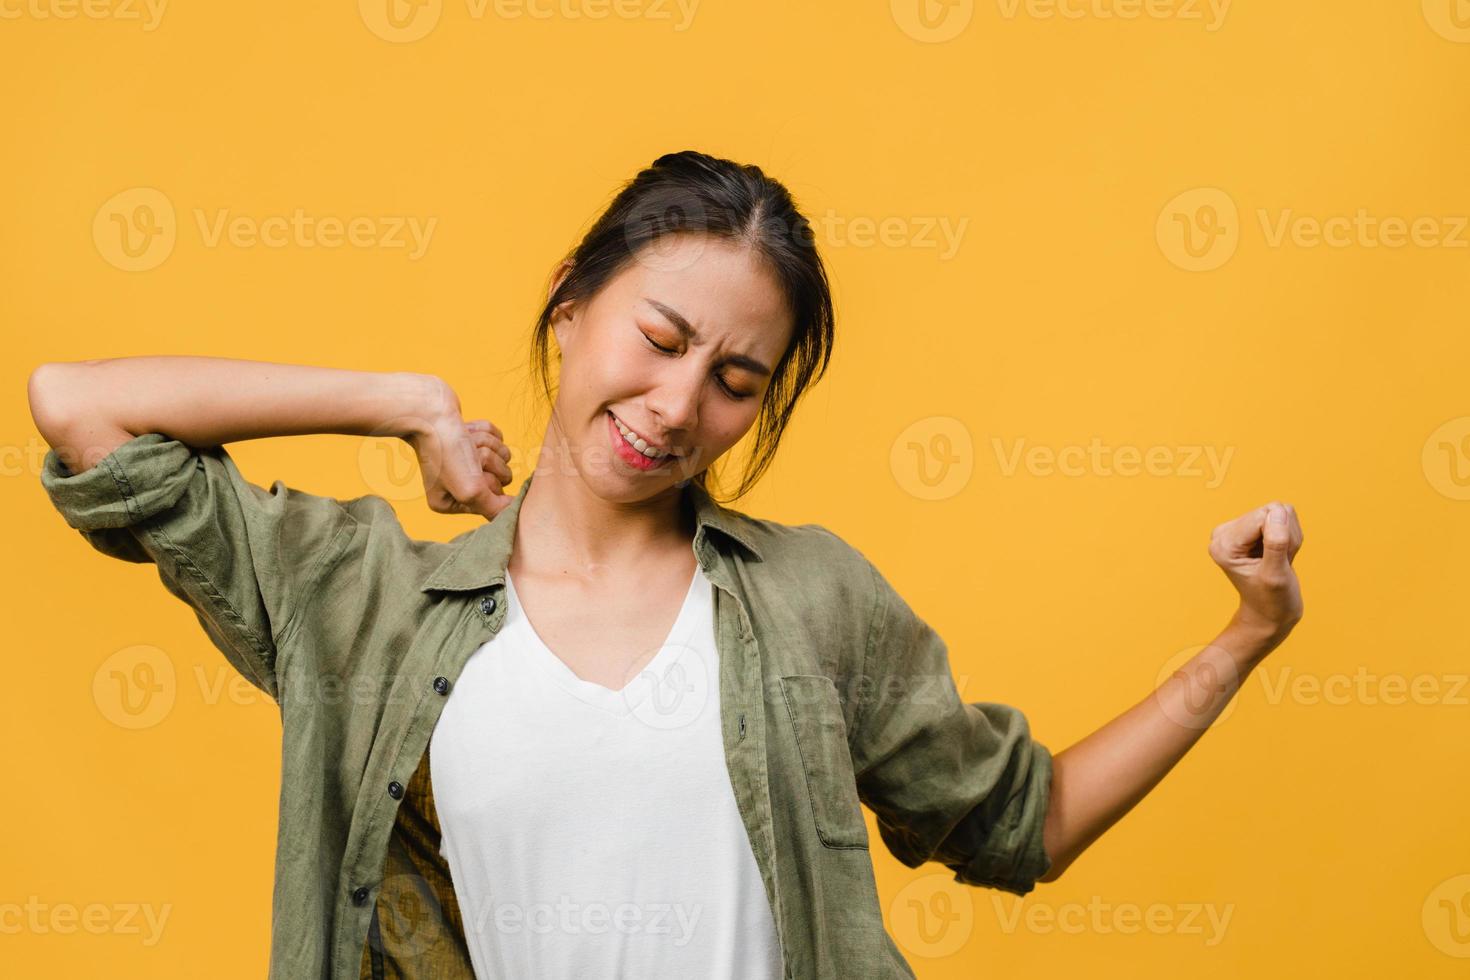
{"x": 603, "y": 370}
{"x": 621, "y": 361}
{"x": 725, "y": 424}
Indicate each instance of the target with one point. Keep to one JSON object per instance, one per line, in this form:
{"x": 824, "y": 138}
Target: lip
{"x": 630, "y": 455}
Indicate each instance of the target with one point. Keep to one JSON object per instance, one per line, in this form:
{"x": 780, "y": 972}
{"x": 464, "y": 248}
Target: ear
{"x": 558, "y": 275}
{"x": 563, "y": 310}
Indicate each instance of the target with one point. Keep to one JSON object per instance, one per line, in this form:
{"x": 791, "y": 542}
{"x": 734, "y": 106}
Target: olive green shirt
{"x": 833, "y": 694}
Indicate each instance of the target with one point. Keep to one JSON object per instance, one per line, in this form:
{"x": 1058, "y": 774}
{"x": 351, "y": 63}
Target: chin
{"x": 609, "y": 479}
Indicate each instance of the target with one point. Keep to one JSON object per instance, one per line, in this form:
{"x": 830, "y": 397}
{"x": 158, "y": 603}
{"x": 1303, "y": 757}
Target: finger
{"x": 1240, "y": 536}
{"x": 462, "y": 484}
{"x": 1296, "y": 532}
{"x": 484, "y": 454}
{"x": 492, "y": 463}
{"x": 1276, "y": 536}
{"x": 498, "y": 468}
{"x": 484, "y": 425}
{"x": 487, "y": 503}
{"x": 466, "y": 490}
{"x": 492, "y": 441}
{"x": 467, "y": 477}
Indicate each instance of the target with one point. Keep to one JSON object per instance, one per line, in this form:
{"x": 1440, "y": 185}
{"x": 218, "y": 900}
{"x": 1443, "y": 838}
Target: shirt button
{"x": 487, "y": 605}
{"x": 360, "y": 896}
{"x": 395, "y": 790}
{"x": 441, "y": 685}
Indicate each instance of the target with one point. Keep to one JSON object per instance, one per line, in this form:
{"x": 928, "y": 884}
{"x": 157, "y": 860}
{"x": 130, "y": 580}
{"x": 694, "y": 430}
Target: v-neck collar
{"x": 627, "y": 700}
{"x": 478, "y": 558}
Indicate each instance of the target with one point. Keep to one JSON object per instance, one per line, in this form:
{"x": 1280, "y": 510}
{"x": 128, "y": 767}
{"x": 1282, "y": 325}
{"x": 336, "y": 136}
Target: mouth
{"x": 633, "y": 449}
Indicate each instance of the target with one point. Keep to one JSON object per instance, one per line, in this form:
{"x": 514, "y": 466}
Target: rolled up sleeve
{"x": 244, "y": 558}
{"x": 960, "y": 783}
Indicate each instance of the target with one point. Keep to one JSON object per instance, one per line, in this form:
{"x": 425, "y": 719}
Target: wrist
{"x": 1249, "y": 638}
{"x": 427, "y": 400}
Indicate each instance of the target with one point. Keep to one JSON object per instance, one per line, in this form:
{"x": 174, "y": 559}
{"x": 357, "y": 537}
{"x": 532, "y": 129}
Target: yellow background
{"x": 1331, "y": 831}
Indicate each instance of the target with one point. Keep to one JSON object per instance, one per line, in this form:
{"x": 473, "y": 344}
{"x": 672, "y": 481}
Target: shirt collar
{"x": 479, "y": 557}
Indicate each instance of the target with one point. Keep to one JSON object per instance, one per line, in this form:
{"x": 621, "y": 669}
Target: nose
{"x": 675, "y": 399}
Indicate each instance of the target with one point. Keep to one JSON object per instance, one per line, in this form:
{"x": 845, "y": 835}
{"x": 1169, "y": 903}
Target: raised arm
{"x": 139, "y": 468}
{"x": 86, "y": 409}
{"x": 1098, "y": 780}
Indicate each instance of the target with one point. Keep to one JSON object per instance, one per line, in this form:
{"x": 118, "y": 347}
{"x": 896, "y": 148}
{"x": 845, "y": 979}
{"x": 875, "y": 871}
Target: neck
{"x": 564, "y": 527}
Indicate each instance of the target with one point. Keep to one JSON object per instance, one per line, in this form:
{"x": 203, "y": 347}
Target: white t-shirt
{"x": 593, "y": 833}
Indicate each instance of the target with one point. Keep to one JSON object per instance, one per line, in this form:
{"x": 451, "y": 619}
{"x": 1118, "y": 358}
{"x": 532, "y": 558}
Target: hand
{"x": 1256, "y": 551}
{"x": 465, "y": 465}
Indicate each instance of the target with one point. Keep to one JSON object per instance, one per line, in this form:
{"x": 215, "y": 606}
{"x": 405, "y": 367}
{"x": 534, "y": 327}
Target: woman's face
{"x": 723, "y": 322}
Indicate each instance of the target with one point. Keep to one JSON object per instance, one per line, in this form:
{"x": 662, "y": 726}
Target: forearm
{"x": 84, "y": 409}
{"x": 1101, "y": 778}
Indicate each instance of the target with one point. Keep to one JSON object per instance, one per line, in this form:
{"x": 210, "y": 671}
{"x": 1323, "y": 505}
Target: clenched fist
{"x": 1256, "y": 551}
{"x": 465, "y": 466}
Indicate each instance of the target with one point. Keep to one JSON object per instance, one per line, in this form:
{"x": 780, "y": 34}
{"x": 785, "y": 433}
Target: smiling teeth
{"x": 637, "y": 441}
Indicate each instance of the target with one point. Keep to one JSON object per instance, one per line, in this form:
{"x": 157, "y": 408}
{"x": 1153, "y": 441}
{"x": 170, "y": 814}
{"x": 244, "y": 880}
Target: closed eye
{"x": 724, "y": 385}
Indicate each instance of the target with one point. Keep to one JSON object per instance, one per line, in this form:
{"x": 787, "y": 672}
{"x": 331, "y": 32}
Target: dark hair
{"x": 694, "y": 193}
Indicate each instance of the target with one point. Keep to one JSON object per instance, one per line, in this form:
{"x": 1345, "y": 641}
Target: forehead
{"x": 727, "y": 292}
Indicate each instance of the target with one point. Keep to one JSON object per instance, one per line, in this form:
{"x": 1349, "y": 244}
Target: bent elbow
{"x": 56, "y": 392}
{"x": 50, "y": 390}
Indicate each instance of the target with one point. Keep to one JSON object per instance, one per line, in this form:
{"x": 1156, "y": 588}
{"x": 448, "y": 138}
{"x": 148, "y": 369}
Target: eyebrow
{"x": 684, "y": 327}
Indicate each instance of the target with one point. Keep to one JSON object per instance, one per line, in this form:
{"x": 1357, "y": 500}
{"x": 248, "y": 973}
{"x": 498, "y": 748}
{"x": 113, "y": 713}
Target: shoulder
{"x": 381, "y": 547}
{"x": 795, "y": 543}
{"x": 811, "y": 559}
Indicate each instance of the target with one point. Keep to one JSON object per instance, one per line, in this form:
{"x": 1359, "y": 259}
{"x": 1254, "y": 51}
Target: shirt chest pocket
{"x": 815, "y": 712}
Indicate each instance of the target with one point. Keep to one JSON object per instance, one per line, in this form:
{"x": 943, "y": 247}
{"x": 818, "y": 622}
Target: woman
{"x": 654, "y": 718}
